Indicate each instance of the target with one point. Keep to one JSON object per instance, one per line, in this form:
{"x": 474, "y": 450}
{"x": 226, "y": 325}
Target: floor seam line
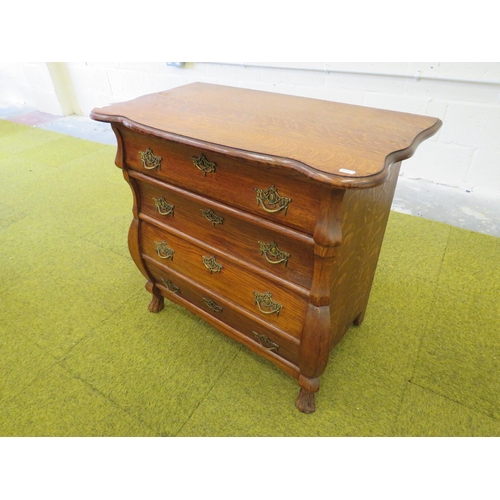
{"x": 208, "y": 392}
{"x": 453, "y": 400}
{"x": 426, "y": 327}
{"x": 114, "y": 403}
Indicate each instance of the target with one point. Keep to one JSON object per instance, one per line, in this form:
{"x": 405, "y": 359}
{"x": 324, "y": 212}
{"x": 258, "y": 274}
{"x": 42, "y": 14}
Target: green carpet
{"x": 80, "y": 355}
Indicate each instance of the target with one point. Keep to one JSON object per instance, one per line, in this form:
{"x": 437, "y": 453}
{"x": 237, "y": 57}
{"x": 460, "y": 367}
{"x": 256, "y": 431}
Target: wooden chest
{"x": 262, "y": 213}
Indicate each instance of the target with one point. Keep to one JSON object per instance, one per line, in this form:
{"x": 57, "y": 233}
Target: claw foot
{"x": 305, "y": 401}
{"x": 156, "y": 304}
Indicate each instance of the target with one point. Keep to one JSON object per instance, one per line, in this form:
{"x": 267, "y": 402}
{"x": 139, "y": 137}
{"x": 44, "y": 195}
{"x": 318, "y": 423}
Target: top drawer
{"x": 253, "y": 186}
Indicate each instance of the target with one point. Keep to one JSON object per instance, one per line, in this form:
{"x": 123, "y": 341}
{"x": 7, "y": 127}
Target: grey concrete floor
{"x": 476, "y": 211}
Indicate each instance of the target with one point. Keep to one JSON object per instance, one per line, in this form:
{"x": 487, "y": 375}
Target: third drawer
{"x": 281, "y": 306}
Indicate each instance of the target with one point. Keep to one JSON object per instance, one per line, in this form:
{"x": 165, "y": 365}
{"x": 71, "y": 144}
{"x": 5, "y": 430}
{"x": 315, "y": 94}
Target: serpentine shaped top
{"x": 339, "y": 144}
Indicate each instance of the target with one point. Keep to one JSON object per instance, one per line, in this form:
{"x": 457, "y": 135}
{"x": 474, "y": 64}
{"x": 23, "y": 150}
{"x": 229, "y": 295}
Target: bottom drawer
{"x": 266, "y": 336}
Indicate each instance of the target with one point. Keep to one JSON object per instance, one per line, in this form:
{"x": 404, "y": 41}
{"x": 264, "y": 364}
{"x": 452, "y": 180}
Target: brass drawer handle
{"x": 272, "y": 250}
{"x": 266, "y": 304}
{"x": 271, "y": 201}
{"x": 212, "y": 265}
{"x": 163, "y": 207}
{"x": 212, "y": 305}
{"x": 150, "y": 160}
{"x": 265, "y": 342}
{"x": 170, "y": 286}
{"x": 211, "y": 216}
{"x": 163, "y": 250}
{"x": 201, "y": 163}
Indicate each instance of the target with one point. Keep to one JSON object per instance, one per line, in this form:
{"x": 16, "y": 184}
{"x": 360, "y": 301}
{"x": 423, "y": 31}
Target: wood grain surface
{"x": 322, "y": 139}
{"x": 237, "y": 233}
{"x": 336, "y": 164}
{"x": 234, "y": 181}
{"x": 234, "y": 280}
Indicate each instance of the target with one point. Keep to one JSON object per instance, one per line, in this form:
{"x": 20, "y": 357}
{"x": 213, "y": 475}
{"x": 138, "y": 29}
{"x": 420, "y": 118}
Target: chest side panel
{"x": 364, "y": 220}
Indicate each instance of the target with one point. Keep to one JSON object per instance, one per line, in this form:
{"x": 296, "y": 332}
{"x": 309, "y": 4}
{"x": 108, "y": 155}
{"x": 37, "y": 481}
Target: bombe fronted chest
{"x": 262, "y": 213}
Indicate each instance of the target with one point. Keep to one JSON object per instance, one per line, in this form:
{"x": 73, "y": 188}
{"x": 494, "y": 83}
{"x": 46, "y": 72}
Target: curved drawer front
{"x": 280, "y": 307}
{"x": 278, "y": 251}
{"x": 267, "y": 338}
{"x": 253, "y": 186}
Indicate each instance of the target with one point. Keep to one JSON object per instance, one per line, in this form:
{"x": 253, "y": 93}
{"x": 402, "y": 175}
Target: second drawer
{"x": 272, "y": 249}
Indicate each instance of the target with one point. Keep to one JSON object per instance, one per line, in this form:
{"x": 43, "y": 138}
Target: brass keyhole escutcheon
{"x": 212, "y": 217}
{"x": 149, "y": 160}
{"x": 170, "y": 286}
{"x": 265, "y": 342}
{"x": 201, "y": 163}
{"x": 212, "y": 305}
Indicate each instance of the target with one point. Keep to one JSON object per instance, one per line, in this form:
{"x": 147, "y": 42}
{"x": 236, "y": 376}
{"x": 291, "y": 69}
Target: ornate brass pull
{"x": 212, "y": 305}
{"x": 203, "y": 164}
{"x": 163, "y": 251}
{"x": 212, "y": 265}
{"x": 266, "y": 304}
{"x": 150, "y": 160}
{"x": 265, "y": 342}
{"x": 272, "y": 250}
{"x": 271, "y": 201}
{"x": 212, "y": 217}
{"x": 163, "y": 207}
{"x": 171, "y": 286}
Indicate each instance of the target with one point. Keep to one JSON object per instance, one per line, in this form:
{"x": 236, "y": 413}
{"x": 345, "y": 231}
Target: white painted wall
{"x": 30, "y": 84}
{"x": 466, "y": 96}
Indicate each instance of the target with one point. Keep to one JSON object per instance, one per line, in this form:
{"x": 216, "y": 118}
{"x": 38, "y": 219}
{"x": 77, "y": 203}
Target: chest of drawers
{"x": 262, "y": 213}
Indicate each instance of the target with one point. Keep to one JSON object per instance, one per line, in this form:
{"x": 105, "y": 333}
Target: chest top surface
{"x": 340, "y": 144}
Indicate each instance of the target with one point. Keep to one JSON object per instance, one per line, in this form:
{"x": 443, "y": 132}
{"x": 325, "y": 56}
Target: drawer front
{"x": 256, "y": 187}
{"x": 267, "y": 338}
{"x": 275, "y": 251}
{"x": 282, "y": 308}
